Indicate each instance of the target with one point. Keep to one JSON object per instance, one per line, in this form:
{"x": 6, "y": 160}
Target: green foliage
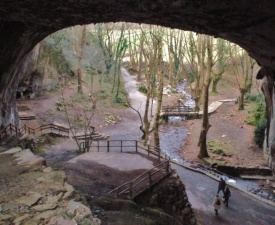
{"x": 103, "y": 95}
{"x": 254, "y": 98}
{"x": 257, "y": 117}
{"x": 217, "y": 147}
{"x": 143, "y": 89}
{"x": 255, "y": 114}
{"x": 191, "y": 77}
{"x": 259, "y": 133}
{"x": 56, "y": 58}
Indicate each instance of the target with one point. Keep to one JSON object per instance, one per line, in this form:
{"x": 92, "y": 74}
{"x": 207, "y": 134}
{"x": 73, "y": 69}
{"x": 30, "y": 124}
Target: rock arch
{"x": 251, "y": 24}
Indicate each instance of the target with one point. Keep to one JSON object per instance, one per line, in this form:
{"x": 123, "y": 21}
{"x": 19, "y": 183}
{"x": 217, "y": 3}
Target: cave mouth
{"x": 24, "y": 24}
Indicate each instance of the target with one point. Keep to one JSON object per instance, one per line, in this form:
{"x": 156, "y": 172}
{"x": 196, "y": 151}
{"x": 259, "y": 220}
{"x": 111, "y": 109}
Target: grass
{"x": 218, "y": 147}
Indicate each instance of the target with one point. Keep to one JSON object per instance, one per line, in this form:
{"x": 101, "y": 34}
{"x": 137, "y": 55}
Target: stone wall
{"x": 170, "y": 197}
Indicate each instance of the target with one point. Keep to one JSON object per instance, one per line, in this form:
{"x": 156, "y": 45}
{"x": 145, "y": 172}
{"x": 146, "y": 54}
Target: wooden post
{"x": 167, "y": 166}
{"x": 120, "y": 146}
{"x": 159, "y": 154}
{"x": 108, "y": 146}
{"x": 98, "y": 146}
{"x": 117, "y": 193}
{"x": 136, "y": 146}
{"x": 148, "y": 150}
{"x": 149, "y": 178}
{"x": 130, "y": 189}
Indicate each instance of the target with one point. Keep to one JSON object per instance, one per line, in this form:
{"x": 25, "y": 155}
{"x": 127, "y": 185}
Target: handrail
{"x": 129, "y": 187}
{"x": 177, "y": 109}
{"x": 11, "y": 130}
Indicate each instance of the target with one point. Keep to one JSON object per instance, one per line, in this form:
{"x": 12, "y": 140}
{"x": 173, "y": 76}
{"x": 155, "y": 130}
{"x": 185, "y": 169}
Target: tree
{"x": 78, "y": 117}
{"x": 242, "y": 67}
{"x": 207, "y": 79}
{"x": 195, "y": 50}
{"x": 221, "y": 58}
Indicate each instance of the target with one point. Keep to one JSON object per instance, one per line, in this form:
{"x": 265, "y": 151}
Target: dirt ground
{"x": 227, "y": 125}
{"x": 94, "y": 180}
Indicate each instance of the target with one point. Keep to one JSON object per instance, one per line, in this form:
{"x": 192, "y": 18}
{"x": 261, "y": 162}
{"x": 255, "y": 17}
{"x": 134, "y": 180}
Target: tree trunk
{"x": 80, "y": 59}
{"x": 241, "y": 99}
{"x": 214, "y": 86}
{"x": 205, "y": 126}
{"x": 205, "y": 122}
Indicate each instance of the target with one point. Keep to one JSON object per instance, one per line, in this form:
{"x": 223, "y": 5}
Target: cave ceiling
{"x": 249, "y": 23}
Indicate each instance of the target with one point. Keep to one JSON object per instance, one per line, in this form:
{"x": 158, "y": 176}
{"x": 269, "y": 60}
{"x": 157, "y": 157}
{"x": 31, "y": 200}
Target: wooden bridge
{"x": 179, "y": 110}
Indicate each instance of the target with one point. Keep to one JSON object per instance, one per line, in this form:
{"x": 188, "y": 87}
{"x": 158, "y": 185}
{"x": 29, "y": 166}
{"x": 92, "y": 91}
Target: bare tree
{"x": 242, "y": 67}
{"x": 207, "y": 79}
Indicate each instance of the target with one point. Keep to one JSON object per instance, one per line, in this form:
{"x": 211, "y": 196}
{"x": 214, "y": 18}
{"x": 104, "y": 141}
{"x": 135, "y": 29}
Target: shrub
{"x": 259, "y": 132}
{"x": 142, "y": 89}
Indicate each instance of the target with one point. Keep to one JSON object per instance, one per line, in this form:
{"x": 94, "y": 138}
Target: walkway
{"x": 243, "y": 209}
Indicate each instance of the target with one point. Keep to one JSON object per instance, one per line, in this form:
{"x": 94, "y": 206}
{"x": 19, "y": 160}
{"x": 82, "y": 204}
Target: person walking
{"x": 227, "y": 195}
{"x": 221, "y": 186}
{"x": 217, "y": 204}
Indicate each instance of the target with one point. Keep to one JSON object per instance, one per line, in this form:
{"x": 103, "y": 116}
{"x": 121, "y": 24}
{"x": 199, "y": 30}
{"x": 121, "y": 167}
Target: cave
{"x": 250, "y": 24}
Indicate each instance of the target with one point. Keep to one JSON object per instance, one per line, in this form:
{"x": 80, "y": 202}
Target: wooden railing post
{"x": 130, "y": 189}
{"x": 148, "y": 150}
{"x": 167, "y": 166}
{"x": 136, "y": 146}
{"x": 120, "y": 146}
{"x": 98, "y": 146}
{"x": 149, "y": 178}
{"x": 117, "y": 193}
{"x": 108, "y": 146}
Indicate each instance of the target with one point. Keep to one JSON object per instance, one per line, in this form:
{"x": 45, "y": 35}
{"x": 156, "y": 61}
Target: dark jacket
{"x": 222, "y": 184}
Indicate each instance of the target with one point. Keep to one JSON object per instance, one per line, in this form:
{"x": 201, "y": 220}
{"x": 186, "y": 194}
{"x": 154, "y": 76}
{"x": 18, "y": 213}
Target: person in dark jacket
{"x": 221, "y": 185}
{"x": 227, "y": 195}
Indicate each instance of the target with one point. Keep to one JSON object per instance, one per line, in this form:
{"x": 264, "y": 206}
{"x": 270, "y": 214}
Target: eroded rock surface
{"x": 35, "y": 194}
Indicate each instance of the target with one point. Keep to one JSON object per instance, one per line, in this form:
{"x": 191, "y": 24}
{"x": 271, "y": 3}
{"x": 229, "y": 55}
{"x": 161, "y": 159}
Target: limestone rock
{"x": 30, "y": 199}
{"x": 54, "y": 181}
{"x": 12, "y": 151}
{"x": 18, "y": 220}
{"x": 44, "y": 215}
{"x": 59, "y": 220}
{"x": 53, "y": 199}
{"x": 74, "y": 208}
{"x": 48, "y": 170}
{"x": 44, "y": 207}
{"x": 70, "y": 190}
{"x": 27, "y": 158}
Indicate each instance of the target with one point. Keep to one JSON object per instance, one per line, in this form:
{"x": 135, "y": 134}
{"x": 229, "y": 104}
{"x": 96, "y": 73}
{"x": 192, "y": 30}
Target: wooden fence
{"x": 143, "y": 182}
{"x": 12, "y": 130}
{"x": 126, "y": 146}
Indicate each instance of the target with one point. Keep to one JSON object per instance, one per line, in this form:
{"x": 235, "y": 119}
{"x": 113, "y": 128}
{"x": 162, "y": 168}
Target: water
{"x": 172, "y": 139}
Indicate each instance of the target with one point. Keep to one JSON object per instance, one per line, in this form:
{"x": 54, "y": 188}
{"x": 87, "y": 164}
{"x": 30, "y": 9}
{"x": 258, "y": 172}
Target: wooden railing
{"x": 179, "y": 108}
{"x": 12, "y": 130}
{"x": 115, "y": 145}
{"x": 143, "y": 182}
{"x": 126, "y": 146}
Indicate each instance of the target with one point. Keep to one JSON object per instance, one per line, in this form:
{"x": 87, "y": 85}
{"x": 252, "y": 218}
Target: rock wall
{"x": 268, "y": 87}
{"x": 8, "y": 93}
{"x": 171, "y": 198}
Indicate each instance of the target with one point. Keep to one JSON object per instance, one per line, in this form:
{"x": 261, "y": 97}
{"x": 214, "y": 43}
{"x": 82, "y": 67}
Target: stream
{"x": 173, "y": 133}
